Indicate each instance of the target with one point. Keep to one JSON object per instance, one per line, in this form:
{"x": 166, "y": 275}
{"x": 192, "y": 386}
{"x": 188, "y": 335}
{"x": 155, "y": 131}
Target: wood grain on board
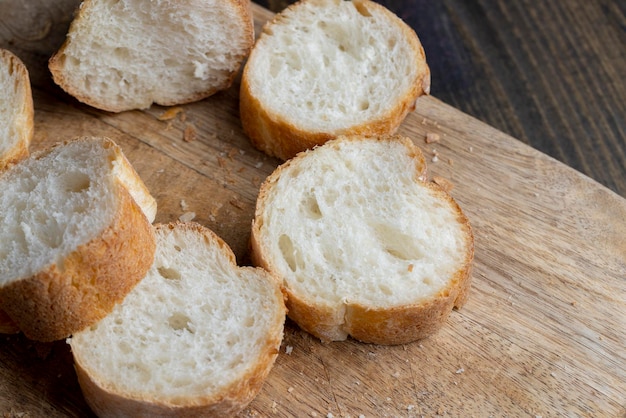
{"x": 541, "y": 335}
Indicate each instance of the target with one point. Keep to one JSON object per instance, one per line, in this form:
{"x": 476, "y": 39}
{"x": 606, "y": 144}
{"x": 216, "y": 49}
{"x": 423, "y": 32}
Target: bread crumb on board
{"x": 183, "y": 205}
{"x": 432, "y": 137}
{"x": 190, "y": 133}
{"x": 288, "y": 350}
{"x": 187, "y": 217}
{"x": 171, "y": 113}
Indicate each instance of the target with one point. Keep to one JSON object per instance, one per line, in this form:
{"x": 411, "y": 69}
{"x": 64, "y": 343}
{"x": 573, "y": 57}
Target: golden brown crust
{"x": 273, "y": 134}
{"x": 67, "y": 297}
{"x": 20, "y": 148}
{"x": 107, "y": 402}
{"x": 380, "y": 325}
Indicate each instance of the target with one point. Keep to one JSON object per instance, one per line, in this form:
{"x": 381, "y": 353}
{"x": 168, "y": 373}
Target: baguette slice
{"x": 324, "y": 68}
{"x": 73, "y": 240}
{"x": 196, "y": 337}
{"x": 363, "y": 245}
{"x": 16, "y": 110}
{"x": 128, "y": 54}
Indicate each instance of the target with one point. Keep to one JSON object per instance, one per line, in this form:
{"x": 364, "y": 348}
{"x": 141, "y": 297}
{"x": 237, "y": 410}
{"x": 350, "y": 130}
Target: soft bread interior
{"x": 16, "y": 107}
{"x": 129, "y": 54}
{"x": 52, "y": 204}
{"x": 330, "y": 64}
{"x": 195, "y": 324}
{"x": 350, "y": 222}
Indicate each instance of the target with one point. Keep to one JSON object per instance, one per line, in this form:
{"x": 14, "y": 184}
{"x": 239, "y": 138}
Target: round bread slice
{"x": 73, "y": 240}
{"x": 16, "y": 110}
{"x": 129, "y": 54}
{"x": 197, "y": 337}
{"x": 363, "y": 245}
{"x": 324, "y": 68}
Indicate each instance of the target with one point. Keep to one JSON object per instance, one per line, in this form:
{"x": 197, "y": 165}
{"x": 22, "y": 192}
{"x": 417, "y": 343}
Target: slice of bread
{"x": 16, "y": 110}
{"x": 73, "y": 241}
{"x": 196, "y": 337}
{"x": 122, "y": 55}
{"x": 324, "y": 68}
{"x": 363, "y": 244}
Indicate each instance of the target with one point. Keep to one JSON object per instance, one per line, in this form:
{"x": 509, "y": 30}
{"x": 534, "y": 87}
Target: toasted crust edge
{"x": 273, "y": 134}
{"x": 56, "y": 67}
{"x": 400, "y": 324}
{"x": 20, "y": 149}
{"x": 106, "y": 402}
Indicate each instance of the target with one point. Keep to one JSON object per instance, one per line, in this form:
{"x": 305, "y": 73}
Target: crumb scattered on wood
{"x": 432, "y": 137}
{"x": 187, "y": 217}
{"x": 236, "y": 203}
{"x": 183, "y": 205}
{"x": 171, "y": 113}
{"x": 460, "y": 370}
{"x": 190, "y": 133}
{"x": 232, "y": 152}
{"x": 289, "y": 350}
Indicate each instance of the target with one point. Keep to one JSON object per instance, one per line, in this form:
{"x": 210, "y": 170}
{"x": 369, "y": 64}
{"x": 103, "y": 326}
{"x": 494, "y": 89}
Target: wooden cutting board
{"x": 543, "y": 332}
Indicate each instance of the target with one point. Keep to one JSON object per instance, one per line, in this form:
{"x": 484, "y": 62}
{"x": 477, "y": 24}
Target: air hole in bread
{"x": 294, "y": 62}
{"x": 275, "y": 67}
{"x": 169, "y": 274}
{"x": 386, "y": 290}
{"x": 75, "y": 182}
{"x": 360, "y": 7}
{"x": 288, "y": 251}
{"x": 177, "y": 248}
{"x": 364, "y": 105}
{"x": 125, "y": 347}
{"x": 398, "y": 244}
{"x": 121, "y": 53}
{"x": 48, "y": 232}
{"x": 311, "y": 207}
{"x": 179, "y": 321}
{"x": 170, "y": 62}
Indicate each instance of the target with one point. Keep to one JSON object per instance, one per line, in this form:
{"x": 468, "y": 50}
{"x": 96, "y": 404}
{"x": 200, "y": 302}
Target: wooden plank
{"x": 542, "y": 332}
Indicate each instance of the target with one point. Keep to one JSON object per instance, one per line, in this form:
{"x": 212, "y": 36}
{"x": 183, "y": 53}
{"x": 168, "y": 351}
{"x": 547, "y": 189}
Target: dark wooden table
{"x": 549, "y": 73}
